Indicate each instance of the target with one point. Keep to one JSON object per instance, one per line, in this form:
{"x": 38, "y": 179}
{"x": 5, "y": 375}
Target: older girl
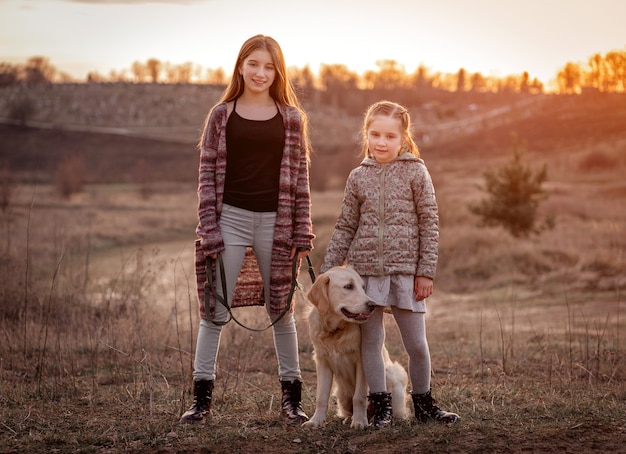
{"x": 254, "y": 193}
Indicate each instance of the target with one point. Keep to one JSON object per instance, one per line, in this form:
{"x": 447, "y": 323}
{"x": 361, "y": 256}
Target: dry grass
{"x": 100, "y": 360}
{"x": 98, "y": 322}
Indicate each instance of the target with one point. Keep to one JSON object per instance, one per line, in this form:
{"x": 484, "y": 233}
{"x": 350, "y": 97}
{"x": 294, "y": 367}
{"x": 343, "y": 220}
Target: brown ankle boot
{"x": 380, "y": 409}
{"x": 291, "y": 401}
{"x": 426, "y": 410}
{"x": 202, "y": 396}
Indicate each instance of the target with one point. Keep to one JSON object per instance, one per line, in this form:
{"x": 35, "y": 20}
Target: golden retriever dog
{"x": 339, "y": 306}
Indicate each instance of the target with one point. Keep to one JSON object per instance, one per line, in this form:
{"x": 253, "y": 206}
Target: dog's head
{"x": 340, "y": 292}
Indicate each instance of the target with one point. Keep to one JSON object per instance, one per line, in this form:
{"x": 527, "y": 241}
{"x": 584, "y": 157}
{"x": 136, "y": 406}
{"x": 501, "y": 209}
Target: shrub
{"x": 70, "y": 175}
{"x": 597, "y": 160}
{"x": 22, "y": 109}
{"x": 7, "y": 186}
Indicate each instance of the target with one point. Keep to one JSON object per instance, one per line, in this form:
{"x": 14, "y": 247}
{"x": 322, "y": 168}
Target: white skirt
{"x": 394, "y": 290}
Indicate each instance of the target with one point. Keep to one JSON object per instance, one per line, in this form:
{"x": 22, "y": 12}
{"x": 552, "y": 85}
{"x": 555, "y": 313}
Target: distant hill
{"x": 131, "y": 131}
{"x": 33, "y": 155}
{"x": 554, "y": 123}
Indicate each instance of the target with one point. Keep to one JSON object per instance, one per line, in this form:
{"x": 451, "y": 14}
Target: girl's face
{"x": 384, "y": 138}
{"x": 258, "y": 71}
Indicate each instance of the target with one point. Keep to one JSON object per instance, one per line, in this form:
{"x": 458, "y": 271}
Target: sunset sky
{"x": 494, "y": 37}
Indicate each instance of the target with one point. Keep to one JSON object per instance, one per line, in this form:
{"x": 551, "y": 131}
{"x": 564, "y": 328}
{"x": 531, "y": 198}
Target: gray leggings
{"x": 413, "y": 331}
{"x": 241, "y": 229}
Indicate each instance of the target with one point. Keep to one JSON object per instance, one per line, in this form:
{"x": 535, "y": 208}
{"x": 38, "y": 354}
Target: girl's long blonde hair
{"x": 281, "y": 91}
{"x": 393, "y": 110}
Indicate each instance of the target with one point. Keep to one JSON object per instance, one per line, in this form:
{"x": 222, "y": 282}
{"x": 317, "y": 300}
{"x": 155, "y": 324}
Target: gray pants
{"x": 241, "y": 229}
{"x": 413, "y": 331}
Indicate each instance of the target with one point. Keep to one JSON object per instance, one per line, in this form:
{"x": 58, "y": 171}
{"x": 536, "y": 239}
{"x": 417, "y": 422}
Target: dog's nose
{"x": 371, "y": 305}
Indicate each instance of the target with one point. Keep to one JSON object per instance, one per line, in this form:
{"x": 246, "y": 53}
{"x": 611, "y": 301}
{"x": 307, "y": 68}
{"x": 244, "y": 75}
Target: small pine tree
{"x": 514, "y": 192}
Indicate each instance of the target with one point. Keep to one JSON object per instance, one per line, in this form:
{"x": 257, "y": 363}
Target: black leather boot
{"x": 380, "y": 408}
{"x": 202, "y": 396}
{"x": 426, "y": 410}
{"x": 291, "y": 401}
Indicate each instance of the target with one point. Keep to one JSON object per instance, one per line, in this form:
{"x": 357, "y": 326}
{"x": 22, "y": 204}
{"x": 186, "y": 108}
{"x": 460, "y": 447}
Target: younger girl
{"x": 254, "y": 193}
{"x": 388, "y": 231}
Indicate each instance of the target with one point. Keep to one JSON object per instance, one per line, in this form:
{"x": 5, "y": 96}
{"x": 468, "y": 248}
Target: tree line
{"x": 603, "y": 73}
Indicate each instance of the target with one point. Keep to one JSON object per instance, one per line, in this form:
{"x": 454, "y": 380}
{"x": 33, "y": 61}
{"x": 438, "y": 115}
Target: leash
{"x": 208, "y": 288}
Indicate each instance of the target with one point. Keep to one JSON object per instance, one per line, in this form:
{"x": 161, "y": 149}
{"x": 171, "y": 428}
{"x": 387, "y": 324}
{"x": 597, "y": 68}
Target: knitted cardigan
{"x": 389, "y": 221}
{"x": 293, "y": 217}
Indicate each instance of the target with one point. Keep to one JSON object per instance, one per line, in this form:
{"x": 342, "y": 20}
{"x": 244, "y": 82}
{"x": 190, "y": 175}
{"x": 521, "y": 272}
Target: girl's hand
{"x": 302, "y": 253}
{"x": 423, "y": 287}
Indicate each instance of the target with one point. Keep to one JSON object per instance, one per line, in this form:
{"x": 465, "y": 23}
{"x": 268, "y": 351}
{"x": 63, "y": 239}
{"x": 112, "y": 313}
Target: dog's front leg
{"x": 359, "y": 400}
{"x": 322, "y": 397}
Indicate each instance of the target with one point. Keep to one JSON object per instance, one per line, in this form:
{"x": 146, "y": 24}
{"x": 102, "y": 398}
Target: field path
{"x": 163, "y": 270}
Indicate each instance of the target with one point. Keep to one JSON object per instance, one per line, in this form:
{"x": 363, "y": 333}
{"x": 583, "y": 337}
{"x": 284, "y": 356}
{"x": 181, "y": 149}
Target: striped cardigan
{"x": 293, "y": 217}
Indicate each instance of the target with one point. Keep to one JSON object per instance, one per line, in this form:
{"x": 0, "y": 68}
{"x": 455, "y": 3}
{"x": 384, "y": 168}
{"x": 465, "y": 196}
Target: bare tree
{"x": 38, "y": 70}
{"x": 421, "y": 78}
{"x": 216, "y": 76}
{"x": 178, "y": 74}
{"x": 460, "y": 80}
{"x": 524, "y": 86}
{"x": 595, "y": 76}
{"x": 616, "y": 68}
{"x": 303, "y": 80}
{"x": 570, "y": 78}
{"x": 478, "y": 83}
{"x": 8, "y": 74}
{"x": 153, "y": 67}
{"x": 390, "y": 76}
{"x": 608, "y": 73}
{"x": 139, "y": 71}
{"x": 536, "y": 87}
{"x": 336, "y": 80}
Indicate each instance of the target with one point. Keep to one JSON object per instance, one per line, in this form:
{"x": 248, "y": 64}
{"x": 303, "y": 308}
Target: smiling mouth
{"x": 361, "y": 316}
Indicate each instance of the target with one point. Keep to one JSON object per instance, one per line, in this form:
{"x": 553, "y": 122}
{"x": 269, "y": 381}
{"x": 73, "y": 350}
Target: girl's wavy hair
{"x": 281, "y": 91}
{"x": 393, "y": 110}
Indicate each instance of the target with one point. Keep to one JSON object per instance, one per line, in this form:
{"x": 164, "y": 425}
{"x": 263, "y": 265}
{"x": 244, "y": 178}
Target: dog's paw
{"x": 313, "y": 423}
{"x": 359, "y": 423}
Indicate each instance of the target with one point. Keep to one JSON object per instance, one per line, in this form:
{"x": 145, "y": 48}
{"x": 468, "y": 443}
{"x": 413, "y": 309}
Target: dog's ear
{"x": 318, "y": 294}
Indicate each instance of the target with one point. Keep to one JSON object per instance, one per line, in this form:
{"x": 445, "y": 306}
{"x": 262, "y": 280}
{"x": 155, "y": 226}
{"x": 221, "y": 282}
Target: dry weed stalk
{"x": 45, "y": 324}
{"x": 27, "y": 270}
{"x": 145, "y": 365}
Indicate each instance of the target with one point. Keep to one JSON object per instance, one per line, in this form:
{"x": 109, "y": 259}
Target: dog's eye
{"x": 349, "y": 287}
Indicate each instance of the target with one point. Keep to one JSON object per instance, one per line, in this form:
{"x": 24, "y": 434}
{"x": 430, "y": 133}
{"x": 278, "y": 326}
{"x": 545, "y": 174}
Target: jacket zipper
{"x": 381, "y": 223}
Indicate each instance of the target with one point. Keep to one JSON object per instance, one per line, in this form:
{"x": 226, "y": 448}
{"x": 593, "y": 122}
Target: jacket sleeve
{"x": 345, "y": 228}
{"x": 428, "y": 223}
{"x": 208, "y": 226}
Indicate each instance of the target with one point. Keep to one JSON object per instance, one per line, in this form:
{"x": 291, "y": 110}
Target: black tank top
{"x": 254, "y": 150}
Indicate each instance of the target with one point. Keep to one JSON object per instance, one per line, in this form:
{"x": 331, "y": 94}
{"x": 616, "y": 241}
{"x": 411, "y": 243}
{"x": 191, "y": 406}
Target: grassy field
{"x": 98, "y": 313}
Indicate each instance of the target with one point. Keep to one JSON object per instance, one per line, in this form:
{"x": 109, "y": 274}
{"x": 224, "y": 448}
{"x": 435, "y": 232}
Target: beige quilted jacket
{"x": 389, "y": 221}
